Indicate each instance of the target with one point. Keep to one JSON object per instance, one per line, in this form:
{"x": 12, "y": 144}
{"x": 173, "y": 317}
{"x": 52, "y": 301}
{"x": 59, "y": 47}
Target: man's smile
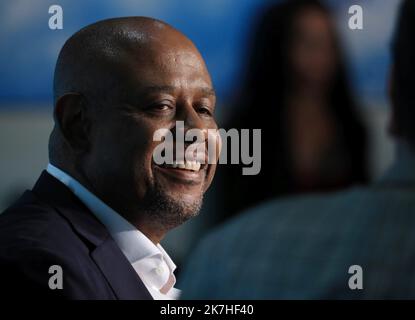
{"x": 186, "y": 172}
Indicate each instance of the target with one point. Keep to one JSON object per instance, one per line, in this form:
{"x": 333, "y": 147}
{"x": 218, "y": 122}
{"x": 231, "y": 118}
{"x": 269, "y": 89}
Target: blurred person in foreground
{"x": 303, "y": 247}
{"x": 297, "y": 92}
{"x": 102, "y": 206}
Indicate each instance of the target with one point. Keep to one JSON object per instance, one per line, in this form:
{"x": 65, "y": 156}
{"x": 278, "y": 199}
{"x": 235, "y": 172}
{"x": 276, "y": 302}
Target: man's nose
{"x": 193, "y": 121}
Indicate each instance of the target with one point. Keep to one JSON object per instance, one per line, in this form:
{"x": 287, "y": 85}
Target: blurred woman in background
{"x": 297, "y": 92}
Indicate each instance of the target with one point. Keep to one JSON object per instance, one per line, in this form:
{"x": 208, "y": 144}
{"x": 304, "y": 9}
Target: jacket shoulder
{"x": 29, "y": 222}
{"x": 34, "y": 237}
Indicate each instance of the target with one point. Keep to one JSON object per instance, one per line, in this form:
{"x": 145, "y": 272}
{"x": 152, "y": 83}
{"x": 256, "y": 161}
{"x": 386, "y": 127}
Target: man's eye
{"x": 163, "y": 107}
{"x": 205, "y": 111}
{"x": 160, "y": 107}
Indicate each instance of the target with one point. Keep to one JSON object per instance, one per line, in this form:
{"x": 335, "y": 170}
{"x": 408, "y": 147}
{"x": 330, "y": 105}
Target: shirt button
{"x": 159, "y": 270}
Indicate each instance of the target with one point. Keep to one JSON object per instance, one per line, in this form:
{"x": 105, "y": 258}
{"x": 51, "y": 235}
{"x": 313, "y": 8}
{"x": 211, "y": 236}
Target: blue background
{"x": 221, "y": 29}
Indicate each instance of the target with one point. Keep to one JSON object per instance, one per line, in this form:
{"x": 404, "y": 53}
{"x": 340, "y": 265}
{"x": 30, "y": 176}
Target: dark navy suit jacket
{"x": 49, "y": 226}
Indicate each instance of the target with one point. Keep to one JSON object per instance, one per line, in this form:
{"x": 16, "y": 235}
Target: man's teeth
{"x": 187, "y": 165}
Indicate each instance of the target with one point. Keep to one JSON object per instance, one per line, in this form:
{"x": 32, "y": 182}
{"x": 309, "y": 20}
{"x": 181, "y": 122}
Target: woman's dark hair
{"x": 260, "y": 105}
{"x": 403, "y": 56}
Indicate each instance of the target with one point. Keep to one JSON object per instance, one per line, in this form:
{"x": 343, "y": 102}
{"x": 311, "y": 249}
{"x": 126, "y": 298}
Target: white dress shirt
{"x": 152, "y": 264}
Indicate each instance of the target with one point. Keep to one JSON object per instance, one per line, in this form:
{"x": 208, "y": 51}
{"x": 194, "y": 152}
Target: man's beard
{"x": 166, "y": 211}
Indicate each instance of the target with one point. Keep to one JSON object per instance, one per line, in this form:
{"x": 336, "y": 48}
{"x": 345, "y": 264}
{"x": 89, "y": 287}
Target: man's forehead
{"x": 154, "y": 89}
{"x": 137, "y": 77}
{"x": 167, "y": 54}
{"x": 167, "y": 71}
{"x": 182, "y": 56}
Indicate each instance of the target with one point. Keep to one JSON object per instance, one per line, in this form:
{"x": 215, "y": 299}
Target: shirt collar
{"x": 132, "y": 242}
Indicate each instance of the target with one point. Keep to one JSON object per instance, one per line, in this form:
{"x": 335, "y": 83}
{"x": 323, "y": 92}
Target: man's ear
{"x": 72, "y": 119}
{"x": 393, "y": 127}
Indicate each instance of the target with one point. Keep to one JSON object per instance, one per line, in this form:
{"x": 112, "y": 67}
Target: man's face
{"x": 169, "y": 83}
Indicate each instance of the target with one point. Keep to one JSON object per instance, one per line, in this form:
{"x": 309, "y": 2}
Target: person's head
{"x": 295, "y": 45}
{"x": 311, "y": 47}
{"x": 295, "y": 50}
{"x": 116, "y": 82}
{"x": 403, "y": 75}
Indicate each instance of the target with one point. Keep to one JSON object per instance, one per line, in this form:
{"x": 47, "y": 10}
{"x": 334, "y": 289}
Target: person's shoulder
{"x": 30, "y": 224}
{"x": 280, "y": 211}
{"x": 335, "y": 214}
{"x": 34, "y": 237}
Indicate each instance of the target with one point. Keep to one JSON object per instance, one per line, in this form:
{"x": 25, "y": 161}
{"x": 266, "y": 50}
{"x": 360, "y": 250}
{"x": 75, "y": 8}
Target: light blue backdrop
{"x": 220, "y": 28}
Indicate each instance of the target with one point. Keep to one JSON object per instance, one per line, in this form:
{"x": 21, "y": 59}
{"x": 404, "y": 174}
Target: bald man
{"x": 91, "y": 226}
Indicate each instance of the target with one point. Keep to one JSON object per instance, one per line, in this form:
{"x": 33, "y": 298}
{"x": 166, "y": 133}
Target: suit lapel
{"x": 115, "y": 267}
{"x": 123, "y": 279}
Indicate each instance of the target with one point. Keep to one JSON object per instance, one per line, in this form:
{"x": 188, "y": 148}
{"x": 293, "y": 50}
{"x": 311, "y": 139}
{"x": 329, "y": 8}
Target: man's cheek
{"x": 143, "y": 161}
